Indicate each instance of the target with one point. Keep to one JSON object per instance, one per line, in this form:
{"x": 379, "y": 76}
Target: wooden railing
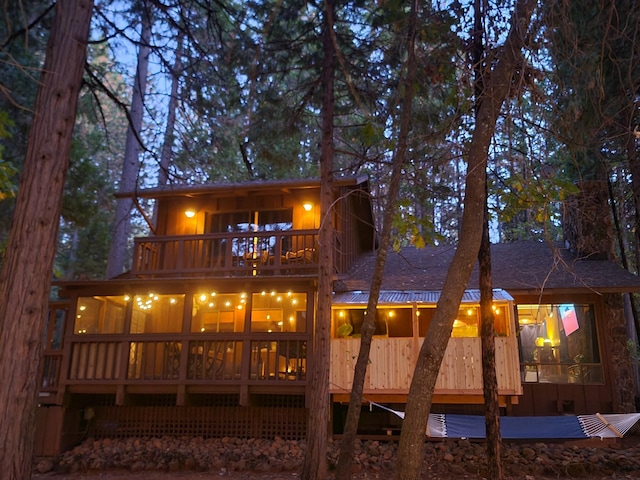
{"x": 288, "y": 252}
{"x": 189, "y": 360}
{"x": 392, "y": 361}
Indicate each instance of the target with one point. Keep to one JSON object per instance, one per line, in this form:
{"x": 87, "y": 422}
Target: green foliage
{"x": 345, "y": 330}
{"x": 8, "y": 173}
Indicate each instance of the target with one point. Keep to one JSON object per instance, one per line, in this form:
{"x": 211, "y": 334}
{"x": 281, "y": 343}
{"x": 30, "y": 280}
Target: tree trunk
{"x": 496, "y": 89}
{"x": 315, "y": 460}
{"x": 169, "y": 132}
{"x": 487, "y": 330}
{"x": 26, "y": 276}
{"x": 130, "y": 167}
{"x": 488, "y": 339}
{"x": 347, "y": 442}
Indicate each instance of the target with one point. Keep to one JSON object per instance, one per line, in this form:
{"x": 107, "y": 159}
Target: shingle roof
{"x": 520, "y": 267}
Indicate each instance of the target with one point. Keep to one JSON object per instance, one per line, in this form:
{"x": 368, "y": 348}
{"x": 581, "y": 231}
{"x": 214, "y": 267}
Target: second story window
{"x": 250, "y": 221}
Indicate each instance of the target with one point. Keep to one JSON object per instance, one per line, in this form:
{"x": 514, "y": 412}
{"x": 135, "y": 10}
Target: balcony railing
{"x": 152, "y": 359}
{"x": 291, "y": 252}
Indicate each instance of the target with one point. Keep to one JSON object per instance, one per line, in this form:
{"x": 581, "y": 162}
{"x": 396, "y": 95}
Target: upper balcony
{"x": 288, "y": 252}
{"x": 252, "y": 229}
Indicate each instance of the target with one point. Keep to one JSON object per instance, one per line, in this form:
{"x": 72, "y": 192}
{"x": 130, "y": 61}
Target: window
{"x": 392, "y": 322}
{"x": 278, "y": 312}
{"x": 559, "y": 344}
{"x": 467, "y": 322}
{"x": 250, "y": 221}
{"x": 54, "y": 329}
{"x": 153, "y": 313}
{"x": 100, "y": 314}
{"x": 218, "y": 312}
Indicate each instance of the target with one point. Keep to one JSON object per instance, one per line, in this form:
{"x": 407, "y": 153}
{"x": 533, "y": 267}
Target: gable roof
{"x": 248, "y": 187}
{"x": 519, "y": 268}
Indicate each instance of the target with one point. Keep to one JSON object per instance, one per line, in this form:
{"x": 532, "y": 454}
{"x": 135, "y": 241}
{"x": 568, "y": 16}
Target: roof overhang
{"x": 182, "y": 190}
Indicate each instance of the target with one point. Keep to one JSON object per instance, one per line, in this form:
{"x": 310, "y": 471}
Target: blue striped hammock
{"x": 549, "y": 427}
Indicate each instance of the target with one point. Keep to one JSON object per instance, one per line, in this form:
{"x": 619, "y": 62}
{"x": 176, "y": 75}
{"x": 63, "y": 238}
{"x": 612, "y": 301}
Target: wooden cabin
{"x": 560, "y": 323}
{"x": 210, "y": 333}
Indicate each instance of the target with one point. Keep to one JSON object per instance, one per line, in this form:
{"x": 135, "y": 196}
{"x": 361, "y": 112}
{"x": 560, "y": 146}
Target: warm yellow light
{"x": 470, "y": 311}
{"x": 307, "y": 206}
{"x": 203, "y": 297}
{"x": 127, "y": 298}
{"x": 190, "y": 213}
{"x": 391, "y": 313}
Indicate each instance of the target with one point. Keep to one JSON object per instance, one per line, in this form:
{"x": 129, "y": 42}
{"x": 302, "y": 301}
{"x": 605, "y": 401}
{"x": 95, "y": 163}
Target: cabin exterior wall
{"x": 154, "y": 352}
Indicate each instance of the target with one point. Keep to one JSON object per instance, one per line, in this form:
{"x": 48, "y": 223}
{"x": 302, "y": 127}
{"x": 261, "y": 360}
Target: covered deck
{"x": 402, "y": 326}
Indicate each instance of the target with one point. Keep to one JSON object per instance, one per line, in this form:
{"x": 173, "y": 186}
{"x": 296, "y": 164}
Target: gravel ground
{"x": 191, "y": 459}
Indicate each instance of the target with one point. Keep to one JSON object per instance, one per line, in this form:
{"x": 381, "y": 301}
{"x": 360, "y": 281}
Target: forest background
{"x": 234, "y": 92}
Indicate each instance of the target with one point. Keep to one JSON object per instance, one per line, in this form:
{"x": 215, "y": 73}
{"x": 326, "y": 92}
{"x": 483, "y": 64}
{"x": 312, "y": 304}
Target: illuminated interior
{"x": 559, "y": 343}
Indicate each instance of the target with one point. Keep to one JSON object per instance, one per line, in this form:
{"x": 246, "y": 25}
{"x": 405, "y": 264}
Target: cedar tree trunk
{"x": 26, "y": 275}
{"x": 315, "y": 460}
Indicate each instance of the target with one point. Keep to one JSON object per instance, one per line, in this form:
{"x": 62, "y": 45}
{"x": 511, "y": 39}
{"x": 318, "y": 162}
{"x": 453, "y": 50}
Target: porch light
{"x": 307, "y": 206}
{"x": 190, "y": 213}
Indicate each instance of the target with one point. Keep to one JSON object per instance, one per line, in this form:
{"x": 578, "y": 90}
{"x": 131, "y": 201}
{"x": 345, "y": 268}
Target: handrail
{"x": 284, "y": 252}
{"x": 184, "y": 359}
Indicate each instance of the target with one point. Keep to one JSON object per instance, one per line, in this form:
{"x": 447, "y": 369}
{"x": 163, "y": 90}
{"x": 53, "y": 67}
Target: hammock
{"x": 551, "y": 427}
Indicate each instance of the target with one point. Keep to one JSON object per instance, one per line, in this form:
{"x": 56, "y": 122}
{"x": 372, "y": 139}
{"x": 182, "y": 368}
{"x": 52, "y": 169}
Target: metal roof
{"x": 390, "y": 297}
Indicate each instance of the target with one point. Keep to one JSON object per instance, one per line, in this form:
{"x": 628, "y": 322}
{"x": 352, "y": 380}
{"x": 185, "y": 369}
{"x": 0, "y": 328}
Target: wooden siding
{"x": 392, "y": 362}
